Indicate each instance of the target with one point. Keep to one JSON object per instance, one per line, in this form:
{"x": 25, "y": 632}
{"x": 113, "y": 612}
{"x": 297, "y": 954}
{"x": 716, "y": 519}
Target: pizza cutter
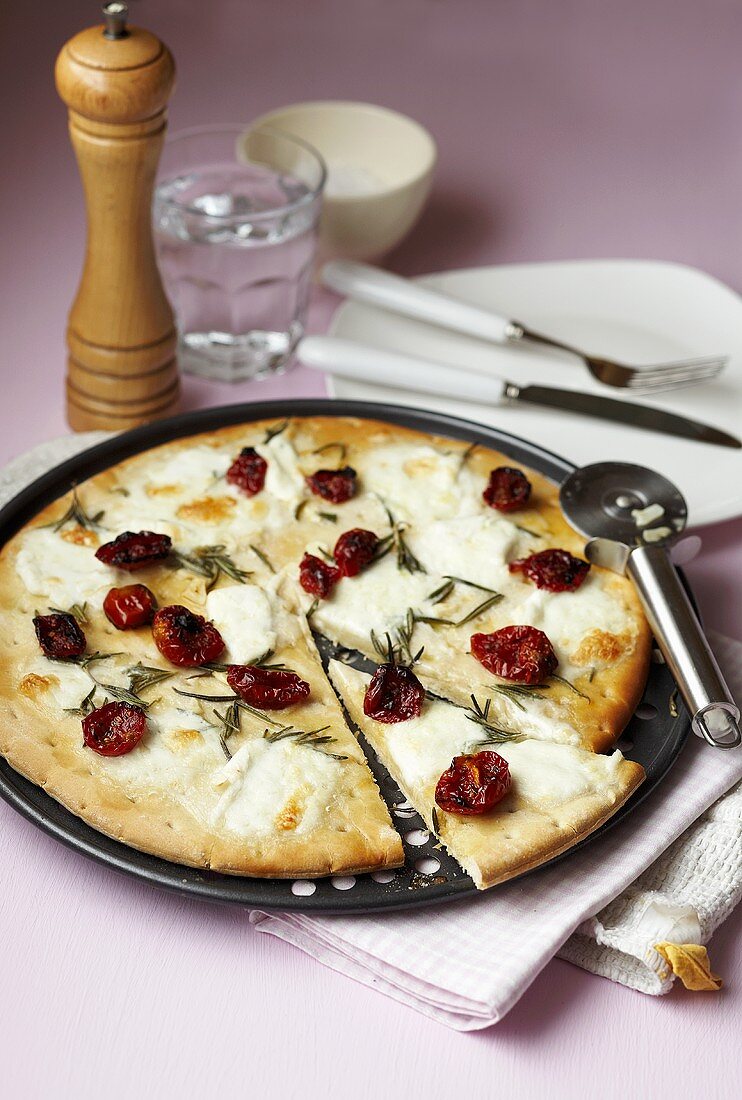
{"x": 632, "y": 515}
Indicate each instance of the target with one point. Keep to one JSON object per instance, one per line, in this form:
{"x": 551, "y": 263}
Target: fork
{"x": 380, "y": 288}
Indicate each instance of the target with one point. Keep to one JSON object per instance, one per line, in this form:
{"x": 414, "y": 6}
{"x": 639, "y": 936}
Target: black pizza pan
{"x": 654, "y": 737}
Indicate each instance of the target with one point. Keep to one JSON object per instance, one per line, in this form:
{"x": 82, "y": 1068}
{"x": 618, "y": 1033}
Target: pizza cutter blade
{"x": 631, "y": 515}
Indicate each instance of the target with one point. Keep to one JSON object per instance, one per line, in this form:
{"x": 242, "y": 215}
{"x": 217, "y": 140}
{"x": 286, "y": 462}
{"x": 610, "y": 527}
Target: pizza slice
{"x": 537, "y": 798}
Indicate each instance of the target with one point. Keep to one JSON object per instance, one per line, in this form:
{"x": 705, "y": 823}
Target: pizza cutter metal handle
{"x": 714, "y": 714}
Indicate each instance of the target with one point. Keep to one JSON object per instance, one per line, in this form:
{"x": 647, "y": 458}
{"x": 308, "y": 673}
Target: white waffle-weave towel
{"x": 432, "y": 960}
{"x": 466, "y": 965}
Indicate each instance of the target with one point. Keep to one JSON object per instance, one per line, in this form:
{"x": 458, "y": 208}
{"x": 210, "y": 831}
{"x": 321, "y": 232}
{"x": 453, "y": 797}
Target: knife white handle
{"x": 403, "y": 372}
{"x": 379, "y": 288}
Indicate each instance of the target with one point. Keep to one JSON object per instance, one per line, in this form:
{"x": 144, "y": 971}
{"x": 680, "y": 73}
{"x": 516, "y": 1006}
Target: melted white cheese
{"x": 177, "y": 751}
{"x": 476, "y": 548}
{"x": 68, "y": 683}
{"x": 244, "y": 617}
{"x": 283, "y": 478}
{"x": 193, "y": 470}
{"x": 417, "y": 482}
{"x": 61, "y": 572}
{"x": 262, "y": 779}
{"x": 566, "y": 617}
{"x": 376, "y": 600}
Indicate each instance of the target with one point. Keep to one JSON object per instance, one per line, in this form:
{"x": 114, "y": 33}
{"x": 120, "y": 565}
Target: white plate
{"x": 635, "y": 310}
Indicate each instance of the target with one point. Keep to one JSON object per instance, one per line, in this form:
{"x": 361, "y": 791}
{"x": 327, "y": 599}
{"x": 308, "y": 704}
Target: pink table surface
{"x": 565, "y": 130}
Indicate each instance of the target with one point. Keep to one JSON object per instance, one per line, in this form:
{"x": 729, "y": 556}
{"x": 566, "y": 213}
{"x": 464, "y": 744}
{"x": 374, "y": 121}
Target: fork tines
{"x": 686, "y": 372}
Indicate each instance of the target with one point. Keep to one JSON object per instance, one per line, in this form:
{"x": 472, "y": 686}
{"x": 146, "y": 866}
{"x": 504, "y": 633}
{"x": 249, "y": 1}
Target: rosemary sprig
{"x": 528, "y": 531}
{"x": 471, "y": 584}
{"x": 121, "y": 491}
{"x": 142, "y": 677}
{"x": 77, "y": 611}
{"x": 300, "y": 508}
{"x": 86, "y": 659}
{"x": 405, "y": 558}
{"x": 86, "y": 705}
{"x": 449, "y": 583}
{"x": 342, "y": 449}
{"x": 436, "y": 823}
{"x": 442, "y": 592}
{"x": 331, "y": 517}
{"x": 124, "y": 695}
{"x": 276, "y": 429}
{"x": 517, "y": 692}
{"x": 259, "y": 662}
{"x": 312, "y": 739}
{"x": 235, "y": 699}
{"x": 570, "y": 685}
{"x": 77, "y": 514}
{"x": 312, "y": 608}
{"x": 211, "y": 562}
{"x": 494, "y": 735}
{"x": 229, "y": 723}
{"x": 475, "y": 612}
{"x": 263, "y": 557}
{"x": 396, "y": 541}
{"x": 398, "y": 651}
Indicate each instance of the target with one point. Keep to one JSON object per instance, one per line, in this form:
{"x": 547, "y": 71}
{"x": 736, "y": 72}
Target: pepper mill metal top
{"x": 116, "y": 81}
{"x": 115, "y": 15}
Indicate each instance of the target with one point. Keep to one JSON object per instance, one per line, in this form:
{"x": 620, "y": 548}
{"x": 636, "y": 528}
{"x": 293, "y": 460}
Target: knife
{"x": 363, "y": 363}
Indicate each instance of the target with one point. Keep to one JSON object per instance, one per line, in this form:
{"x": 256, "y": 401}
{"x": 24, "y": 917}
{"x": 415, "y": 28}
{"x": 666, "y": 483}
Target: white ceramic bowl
{"x": 380, "y": 169}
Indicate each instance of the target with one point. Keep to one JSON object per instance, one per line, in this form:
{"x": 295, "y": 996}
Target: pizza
{"x": 161, "y": 678}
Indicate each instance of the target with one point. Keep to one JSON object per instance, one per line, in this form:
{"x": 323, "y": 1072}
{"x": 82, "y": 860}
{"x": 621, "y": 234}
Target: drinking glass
{"x": 235, "y": 220}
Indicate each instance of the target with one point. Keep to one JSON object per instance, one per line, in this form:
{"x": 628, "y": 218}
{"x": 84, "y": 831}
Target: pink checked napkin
{"x": 466, "y": 965}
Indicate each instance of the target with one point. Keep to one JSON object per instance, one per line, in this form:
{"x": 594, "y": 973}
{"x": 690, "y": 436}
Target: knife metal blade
{"x": 624, "y": 412}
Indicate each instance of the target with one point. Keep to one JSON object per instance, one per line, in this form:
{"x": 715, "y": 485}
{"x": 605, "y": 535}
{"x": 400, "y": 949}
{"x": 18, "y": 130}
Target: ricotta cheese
{"x": 61, "y": 572}
{"x": 376, "y": 600}
{"x": 418, "y": 482}
{"x": 268, "y": 783}
{"x": 68, "y": 683}
{"x": 476, "y": 548}
{"x": 244, "y": 616}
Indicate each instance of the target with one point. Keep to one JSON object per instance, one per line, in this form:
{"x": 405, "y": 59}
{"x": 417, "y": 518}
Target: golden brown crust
{"x": 44, "y": 746}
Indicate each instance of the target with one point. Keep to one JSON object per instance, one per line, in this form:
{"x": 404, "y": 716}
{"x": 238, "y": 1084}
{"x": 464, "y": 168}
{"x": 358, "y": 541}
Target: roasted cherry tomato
{"x": 268, "y": 688}
{"x": 186, "y": 639}
{"x": 354, "y": 550}
{"x": 248, "y": 471}
{"x": 394, "y": 695}
{"x": 555, "y": 570}
{"x": 131, "y": 606}
{"x": 59, "y": 635}
{"x": 473, "y": 784}
{"x": 520, "y": 653}
{"x": 508, "y": 489}
{"x": 337, "y": 486}
{"x": 134, "y": 550}
{"x": 114, "y": 729}
{"x": 317, "y": 577}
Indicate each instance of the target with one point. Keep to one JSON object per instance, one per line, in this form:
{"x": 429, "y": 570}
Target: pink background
{"x": 566, "y": 130}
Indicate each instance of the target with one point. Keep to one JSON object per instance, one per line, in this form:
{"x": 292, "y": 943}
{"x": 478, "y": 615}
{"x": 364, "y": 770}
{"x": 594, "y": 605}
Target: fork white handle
{"x": 362, "y": 363}
{"x": 391, "y": 292}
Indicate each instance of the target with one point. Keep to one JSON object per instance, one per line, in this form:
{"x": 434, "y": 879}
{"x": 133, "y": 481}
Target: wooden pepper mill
{"x": 116, "y": 81}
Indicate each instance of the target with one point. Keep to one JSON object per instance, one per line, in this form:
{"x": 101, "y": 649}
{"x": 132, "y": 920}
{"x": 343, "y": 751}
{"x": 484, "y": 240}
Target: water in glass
{"x": 235, "y": 245}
